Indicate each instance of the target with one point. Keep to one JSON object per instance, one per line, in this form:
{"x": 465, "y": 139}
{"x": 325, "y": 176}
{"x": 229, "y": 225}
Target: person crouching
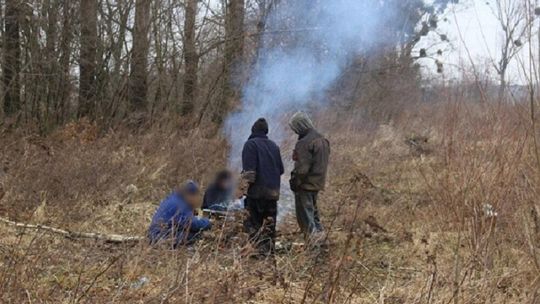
{"x": 174, "y": 220}
{"x": 220, "y": 193}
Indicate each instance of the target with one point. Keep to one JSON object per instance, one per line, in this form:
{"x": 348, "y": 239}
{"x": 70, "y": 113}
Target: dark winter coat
{"x": 311, "y": 156}
{"x": 262, "y": 157}
{"x": 216, "y": 195}
{"x": 174, "y": 220}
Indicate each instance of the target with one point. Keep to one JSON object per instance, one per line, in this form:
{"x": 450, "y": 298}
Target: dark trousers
{"x": 261, "y": 224}
{"x": 307, "y": 213}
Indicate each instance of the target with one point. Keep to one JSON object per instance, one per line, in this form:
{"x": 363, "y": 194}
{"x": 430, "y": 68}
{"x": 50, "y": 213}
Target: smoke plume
{"x": 304, "y": 48}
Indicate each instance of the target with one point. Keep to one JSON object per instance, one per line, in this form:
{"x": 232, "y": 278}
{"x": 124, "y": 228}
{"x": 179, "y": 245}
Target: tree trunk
{"x": 191, "y": 58}
{"x": 88, "y": 56}
{"x": 51, "y": 10}
{"x": 261, "y": 26}
{"x": 502, "y": 83}
{"x": 12, "y": 59}
{"x": 234, "y": 49}
{"x": 64, "y": 84}
{"x": 138, "y": 83}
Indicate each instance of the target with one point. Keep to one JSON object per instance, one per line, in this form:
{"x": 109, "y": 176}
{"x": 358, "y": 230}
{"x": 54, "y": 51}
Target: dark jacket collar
{"x": 258, "y": 134}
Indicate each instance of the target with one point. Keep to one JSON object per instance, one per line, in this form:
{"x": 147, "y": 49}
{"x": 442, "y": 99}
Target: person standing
{"x": 311, "y": 155}
{"x": 262, "y": 170}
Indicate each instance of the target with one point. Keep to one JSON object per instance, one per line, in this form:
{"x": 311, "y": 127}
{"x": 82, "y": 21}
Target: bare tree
{"x": 87, "y": 62}
{"x": 191, "y": 39}
{"x": 234, "y": 50}
{"x": 64, "y": 83}
{"x": 138, "y": 82}
{"x": 12, "y": 58}
{"x": 511, "y": 16}
{"x": 264, "y": 8}
{"x": 191, "y": 57}
{"x": 51, "y": 10}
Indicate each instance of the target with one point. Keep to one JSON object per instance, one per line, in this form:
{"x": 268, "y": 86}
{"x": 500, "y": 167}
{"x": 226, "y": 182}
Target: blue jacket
{"x": 262, "y": 156}
{"x": 174, "y": 219}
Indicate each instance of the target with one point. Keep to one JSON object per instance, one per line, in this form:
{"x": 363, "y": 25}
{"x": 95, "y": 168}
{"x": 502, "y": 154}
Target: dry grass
{"x": 436, "y": 245}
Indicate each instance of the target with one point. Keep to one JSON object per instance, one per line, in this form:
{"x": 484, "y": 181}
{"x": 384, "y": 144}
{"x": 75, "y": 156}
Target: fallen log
{"x": 109, "y": 238}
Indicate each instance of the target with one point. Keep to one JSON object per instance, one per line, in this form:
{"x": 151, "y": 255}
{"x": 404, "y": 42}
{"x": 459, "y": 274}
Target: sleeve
{"x": 206, "y": 199}
{"x": 210, "y": 196}
{"x": 249, "y": 157}
{"x": 249, "y": 163}
{"x": 317, "y": 149}
{"x": 200, "y": 224}
{"x": 280, "y": 159}
{"x": 321, "y": 152}
{"x": 304, "y": 157}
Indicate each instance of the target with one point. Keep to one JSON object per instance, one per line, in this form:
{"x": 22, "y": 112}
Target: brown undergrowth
{"x": 439, "y": 206}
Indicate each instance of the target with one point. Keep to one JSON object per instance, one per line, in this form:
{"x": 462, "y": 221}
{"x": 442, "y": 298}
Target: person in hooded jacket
{"x": 262, "y": 170}
{"x": 174, "y": 222}
{"x": 311, "y": 155}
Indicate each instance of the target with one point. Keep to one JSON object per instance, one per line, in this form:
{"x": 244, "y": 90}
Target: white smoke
{"x": 306, "y": 45}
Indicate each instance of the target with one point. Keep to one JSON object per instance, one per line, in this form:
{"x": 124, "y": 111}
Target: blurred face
{"x": 226, "y": 184}
{"x": 194, "y": 200}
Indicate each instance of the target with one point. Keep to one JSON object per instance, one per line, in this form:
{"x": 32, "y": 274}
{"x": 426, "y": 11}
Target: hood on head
{"x": 190, "y": 187}
{"x": 260, "y": 126}
{"x": 300, "y": 123}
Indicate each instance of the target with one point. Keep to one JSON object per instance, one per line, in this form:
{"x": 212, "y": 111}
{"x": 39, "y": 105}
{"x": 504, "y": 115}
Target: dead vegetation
{"x": 405, "y": 227}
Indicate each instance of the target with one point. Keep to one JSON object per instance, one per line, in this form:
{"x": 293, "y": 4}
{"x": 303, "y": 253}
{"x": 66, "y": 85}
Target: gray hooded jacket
{"x": 311, "y": 155}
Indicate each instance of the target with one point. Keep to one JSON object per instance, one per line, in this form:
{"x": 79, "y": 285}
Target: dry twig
{"x": 111, "y": 238}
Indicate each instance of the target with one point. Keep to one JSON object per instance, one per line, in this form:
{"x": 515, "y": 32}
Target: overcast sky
{"x": 473, "y": 33}
{"x": 480, "y": 36}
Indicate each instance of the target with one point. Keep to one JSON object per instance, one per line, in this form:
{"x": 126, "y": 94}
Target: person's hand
{"x": 239, "y": 193}
{"x": 243, "y": 184}
{"x": 295, "y": 155}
